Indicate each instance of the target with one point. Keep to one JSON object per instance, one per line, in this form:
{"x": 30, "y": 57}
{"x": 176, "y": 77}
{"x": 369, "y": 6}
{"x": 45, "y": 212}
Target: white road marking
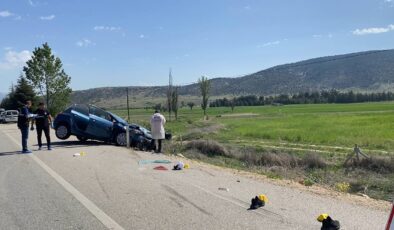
{"x": 89, "y": 205}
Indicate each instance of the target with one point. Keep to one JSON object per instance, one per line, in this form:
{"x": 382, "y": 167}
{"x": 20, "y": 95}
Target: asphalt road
{"x": 108, "y": 189}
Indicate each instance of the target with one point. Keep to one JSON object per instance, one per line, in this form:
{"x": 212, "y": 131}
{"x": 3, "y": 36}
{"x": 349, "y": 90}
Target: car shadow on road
{"x": 9, "y": 153}
{"x": 75, "y": 144}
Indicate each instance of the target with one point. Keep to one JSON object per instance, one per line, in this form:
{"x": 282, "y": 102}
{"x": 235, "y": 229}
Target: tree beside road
{"x": 46, "y": 73}
{"x": 205, "y": 86}
{"x": 19, "y": 94}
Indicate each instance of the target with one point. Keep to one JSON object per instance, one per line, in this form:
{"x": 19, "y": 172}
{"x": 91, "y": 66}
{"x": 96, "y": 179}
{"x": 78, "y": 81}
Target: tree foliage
{"x": 205, "y": 86}
{"x": 19, "y": 94}
{"x": 174, "y": 102}
{"x": 326, "y": 96}
{"x": 169, "y": 95}
{"x": 191, "y": 105}
{"x": 46, "y": 73}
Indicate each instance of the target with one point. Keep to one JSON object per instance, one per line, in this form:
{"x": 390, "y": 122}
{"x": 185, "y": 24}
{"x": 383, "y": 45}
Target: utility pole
{"x": 169, "y": 94}
{"x": 128, "y": 108}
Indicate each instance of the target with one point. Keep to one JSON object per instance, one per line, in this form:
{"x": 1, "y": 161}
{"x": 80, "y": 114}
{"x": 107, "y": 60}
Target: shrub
{"x": 279, "y": 159}
{"x": 342, "y": 186}
{"x": 207, "y": 147}
{"x": 376, "y": 164}
{"x": 313, "y": 160}
{"x": 308, "y": 182}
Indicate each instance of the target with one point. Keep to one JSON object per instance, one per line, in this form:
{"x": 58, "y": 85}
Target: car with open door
{"x": 90, "y": 122}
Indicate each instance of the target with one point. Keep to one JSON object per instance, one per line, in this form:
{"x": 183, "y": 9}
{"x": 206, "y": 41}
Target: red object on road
{"x": 390, "y": 222}
{"x": 160, "y": 168}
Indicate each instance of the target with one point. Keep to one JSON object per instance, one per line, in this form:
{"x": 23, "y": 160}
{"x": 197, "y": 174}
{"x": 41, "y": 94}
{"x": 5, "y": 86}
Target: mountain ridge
{"x": 364, "y": 71}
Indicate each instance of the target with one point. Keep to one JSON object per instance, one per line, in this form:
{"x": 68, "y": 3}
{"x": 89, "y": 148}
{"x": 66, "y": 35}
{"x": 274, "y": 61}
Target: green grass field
{"x": 370, "y": 125}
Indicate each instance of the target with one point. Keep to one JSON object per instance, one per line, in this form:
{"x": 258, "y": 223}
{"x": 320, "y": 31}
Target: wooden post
{"x": 356, "y": 152}
{"x": 127, "y": 136}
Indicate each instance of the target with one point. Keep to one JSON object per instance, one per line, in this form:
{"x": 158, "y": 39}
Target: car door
{"x": 80, "y": 119}
{"x": 100, "y": 124}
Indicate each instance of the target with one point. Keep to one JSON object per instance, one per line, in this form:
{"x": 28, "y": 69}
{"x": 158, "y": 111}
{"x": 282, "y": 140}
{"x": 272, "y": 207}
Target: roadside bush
{"x": 207, "y": 147}
{"x": 250, "y": 159}
{"x": 313, "y": 160}
{"x": 343, "y": 187}
{"x": 375, "y": 164}
{"x": 308, "y": 182}
{"x": 279, "y": 159}
{"x": 192, "y": 136}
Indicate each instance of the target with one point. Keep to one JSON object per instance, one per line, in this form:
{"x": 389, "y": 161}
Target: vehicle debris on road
{"x": 81, "y": 154}
{"x": 142, "y": 162}
{"x": 328, "y": 223}
{"x": 161, "y": 167}
{"x": 258, "y": 202}
{"x": 180, "y": 165}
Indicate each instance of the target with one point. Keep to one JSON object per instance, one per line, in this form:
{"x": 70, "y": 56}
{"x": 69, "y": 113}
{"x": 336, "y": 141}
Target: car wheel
{"x": 82, "y": 139}
{"x": 62, "y": 132}
{"x": 121, "y": 139}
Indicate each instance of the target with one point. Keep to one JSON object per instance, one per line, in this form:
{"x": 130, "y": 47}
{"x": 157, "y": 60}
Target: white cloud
{"x": 247, "y": 7}
{"x": 273, "y": 43}
{"x": 142, "y": 36}
{"x": 48, "y": 18}
{"x": 373, "y": 30}
{"x": 13, "y": 59}
{"x": 107, "y": 28}
{"x": 31, "y": 3}
{"x": 5, "y": 14}
{"x": 389, "y": 3}
{"x": 85, "y": 42}
{"x": 330, "y": 35}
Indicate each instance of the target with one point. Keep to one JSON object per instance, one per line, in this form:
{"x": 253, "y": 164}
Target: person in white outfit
{"x": 157, "y": 123}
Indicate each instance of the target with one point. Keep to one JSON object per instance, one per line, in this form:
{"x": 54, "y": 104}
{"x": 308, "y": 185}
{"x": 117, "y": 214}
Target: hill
{"x": 363, "y": 71}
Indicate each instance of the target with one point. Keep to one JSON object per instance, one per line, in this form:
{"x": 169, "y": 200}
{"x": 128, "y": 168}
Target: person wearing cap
{"x": 328, "y": 223}
{"x": 43, "y": 120}
{"x": 157, "y": 123}
{"x": 23, "y": 124}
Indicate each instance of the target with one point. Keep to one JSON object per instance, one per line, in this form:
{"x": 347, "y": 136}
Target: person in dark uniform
{"x": 43, "y": 120}
{"x": 23, "y": 124}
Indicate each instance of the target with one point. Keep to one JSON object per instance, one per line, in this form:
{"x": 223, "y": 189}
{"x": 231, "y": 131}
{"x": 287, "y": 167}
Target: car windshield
{"x": 118, "y": 119}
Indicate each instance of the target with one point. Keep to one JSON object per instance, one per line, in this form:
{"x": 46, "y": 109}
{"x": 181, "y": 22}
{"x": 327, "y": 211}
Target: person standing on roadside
{"x": 157, "y": 123}
{"x": 43, "y": 121}
{"x": 23, "y": 124}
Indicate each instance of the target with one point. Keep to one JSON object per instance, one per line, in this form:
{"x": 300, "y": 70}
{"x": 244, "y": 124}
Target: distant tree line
{"x": 325, "y": 96}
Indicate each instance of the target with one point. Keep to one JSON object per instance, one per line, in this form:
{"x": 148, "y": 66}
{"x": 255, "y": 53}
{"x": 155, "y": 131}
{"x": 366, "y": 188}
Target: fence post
{"x": 127, "y": 136}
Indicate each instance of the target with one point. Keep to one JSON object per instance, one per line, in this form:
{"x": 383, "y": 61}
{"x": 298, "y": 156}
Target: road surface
{"x": 108, "y": 189}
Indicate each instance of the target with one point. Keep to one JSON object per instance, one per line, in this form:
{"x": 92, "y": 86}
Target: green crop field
{"x": 278, "y": 141}
{"x": 370, "y": 125}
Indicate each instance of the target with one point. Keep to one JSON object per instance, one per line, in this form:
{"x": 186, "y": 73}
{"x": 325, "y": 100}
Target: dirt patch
{"x": 240, "y": 115}
{"x": 213, "y": 128}
{"x": 198, "y": 133}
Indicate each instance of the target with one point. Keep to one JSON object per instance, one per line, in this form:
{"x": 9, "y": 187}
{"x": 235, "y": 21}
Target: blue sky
{"x": 118, "y": 43}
